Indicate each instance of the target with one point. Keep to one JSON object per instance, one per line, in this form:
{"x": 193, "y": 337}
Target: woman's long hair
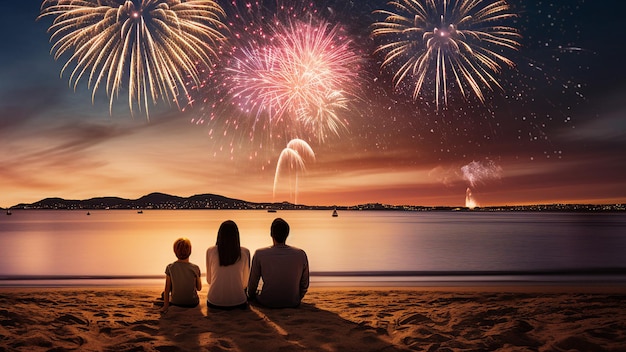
{"x": 228, "y": 245}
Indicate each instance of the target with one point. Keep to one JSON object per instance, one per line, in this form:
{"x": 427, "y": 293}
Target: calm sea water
{"x": 368, "y": 245}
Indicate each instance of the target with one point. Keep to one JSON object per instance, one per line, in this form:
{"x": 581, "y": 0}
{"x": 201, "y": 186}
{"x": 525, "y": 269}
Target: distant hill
{"x": 200, "y": 201}
{"x": 150, "y": 201}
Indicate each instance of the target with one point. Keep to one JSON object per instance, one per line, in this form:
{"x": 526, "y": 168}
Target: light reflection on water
{"x": 124, "y": 243}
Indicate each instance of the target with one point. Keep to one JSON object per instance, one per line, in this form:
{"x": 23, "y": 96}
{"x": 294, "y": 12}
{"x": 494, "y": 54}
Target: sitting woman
{"x": 227, "y": 269}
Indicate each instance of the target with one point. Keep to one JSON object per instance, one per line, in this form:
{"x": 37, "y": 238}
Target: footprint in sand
{"x": 144, "y": 328}
{"x": 413, "y": 319}
{"x": 71, "y": 319}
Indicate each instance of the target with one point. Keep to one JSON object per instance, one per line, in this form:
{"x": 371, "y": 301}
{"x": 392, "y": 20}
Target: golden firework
{"x": 457, "y": 43}
{"x": 150, "y": 46}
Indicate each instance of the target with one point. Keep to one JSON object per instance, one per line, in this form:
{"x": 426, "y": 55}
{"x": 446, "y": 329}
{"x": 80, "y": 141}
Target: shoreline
{"x": 615, "y": 282}
{"x": 346, "y": 318}
{"x": 466, "y": 286}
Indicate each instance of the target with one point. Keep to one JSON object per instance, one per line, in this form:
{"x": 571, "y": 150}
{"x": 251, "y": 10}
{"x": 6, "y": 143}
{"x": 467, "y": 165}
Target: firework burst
{"x": 153, "y": 46}
{"x": 455, "y": 43}
{"x": 285, "y": 73}
{"x": 303, "y": 79}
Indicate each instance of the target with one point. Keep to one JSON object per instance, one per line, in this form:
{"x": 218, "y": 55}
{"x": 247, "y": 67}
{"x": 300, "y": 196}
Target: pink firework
{"x": 299, "y": 81}
{"x": 285, "y": 73}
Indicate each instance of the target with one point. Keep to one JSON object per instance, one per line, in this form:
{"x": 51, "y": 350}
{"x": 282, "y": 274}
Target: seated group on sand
{"x": 233, "y": 282}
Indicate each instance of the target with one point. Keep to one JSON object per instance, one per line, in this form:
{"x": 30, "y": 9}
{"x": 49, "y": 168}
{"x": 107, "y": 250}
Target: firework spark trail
{"x": 302, "y": 148}
{"x": 293, "y": 156}
{"x": 154, "y": 45}
{"x": 476, "y": 172}
{"x": 459, "y": 42}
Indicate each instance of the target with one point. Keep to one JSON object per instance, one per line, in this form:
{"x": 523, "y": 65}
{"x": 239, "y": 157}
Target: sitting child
{"x": 182, "y": 280}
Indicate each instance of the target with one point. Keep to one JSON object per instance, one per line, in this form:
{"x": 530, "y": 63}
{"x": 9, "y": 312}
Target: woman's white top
{"x": 227, "y": 284}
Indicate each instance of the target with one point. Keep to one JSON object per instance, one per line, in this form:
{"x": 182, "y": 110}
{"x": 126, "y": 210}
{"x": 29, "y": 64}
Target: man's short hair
{"x": 279, "y": 230}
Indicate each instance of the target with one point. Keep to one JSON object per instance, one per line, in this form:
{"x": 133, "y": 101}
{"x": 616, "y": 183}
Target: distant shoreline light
{"x": 161, "y": 201}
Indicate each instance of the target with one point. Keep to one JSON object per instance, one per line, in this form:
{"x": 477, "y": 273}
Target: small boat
{"x": 335, "y": 213}
{"x": 9, "y": 212}
{"x": 88, "y": 213}
{"x": 140, "y": 212}
{"x": 271, "y": 210}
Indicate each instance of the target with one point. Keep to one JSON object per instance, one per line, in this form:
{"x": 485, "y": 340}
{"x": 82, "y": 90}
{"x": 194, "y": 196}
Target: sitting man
{"x": 283, "y": 269}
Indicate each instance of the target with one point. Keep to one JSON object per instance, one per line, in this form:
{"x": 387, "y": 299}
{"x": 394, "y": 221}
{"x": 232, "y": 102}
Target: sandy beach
{"x": 516, "y": 318}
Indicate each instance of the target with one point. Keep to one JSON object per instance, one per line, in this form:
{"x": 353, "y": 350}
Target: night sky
{"x": 554, "y": 133}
